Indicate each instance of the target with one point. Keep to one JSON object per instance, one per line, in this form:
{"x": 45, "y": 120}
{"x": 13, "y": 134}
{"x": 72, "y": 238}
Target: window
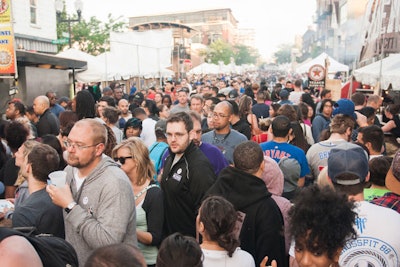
{"x": 33, "y": 11}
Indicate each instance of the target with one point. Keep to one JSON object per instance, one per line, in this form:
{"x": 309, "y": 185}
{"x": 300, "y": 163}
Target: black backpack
{"x": 53, "y": 251}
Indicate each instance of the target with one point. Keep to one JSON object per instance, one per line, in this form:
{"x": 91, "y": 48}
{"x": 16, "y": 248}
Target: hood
{"x": 273, "y": 176}
{"x": 105, "y": 162}
{"x": 242, "y": 189}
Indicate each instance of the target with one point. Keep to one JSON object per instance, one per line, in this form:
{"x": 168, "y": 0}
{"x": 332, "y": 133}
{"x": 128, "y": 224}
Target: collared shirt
{"x": 388, "y": 200}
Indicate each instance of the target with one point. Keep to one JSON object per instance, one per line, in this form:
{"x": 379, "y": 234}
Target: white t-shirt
{"x": 378, "y": 241}
{"x": 217, "y": 258}
{"x": 148, "y": 134}
{"x": 378, "y": 238}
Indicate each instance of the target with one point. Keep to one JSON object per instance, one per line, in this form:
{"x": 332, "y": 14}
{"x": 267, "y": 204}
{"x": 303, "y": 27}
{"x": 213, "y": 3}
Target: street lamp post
{"x": 59, "y": 6}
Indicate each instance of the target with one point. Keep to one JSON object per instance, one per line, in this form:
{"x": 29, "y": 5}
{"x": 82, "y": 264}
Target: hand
{"x": 264, "y": 262}
{"x": 61, "y": 196}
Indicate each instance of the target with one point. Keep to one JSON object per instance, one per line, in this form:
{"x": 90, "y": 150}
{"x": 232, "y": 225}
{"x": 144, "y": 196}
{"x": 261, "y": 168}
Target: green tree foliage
{"x": 245, "y": 55}
{"x": 283, "y": 55}
{"x": 92, "y": 36}
{"x": 220, "y": 50}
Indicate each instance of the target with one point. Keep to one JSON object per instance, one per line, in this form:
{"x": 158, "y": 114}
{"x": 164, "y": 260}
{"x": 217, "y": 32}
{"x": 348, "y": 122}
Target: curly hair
{"x": 219, "y": 219}
{"x": 322, "y": 219}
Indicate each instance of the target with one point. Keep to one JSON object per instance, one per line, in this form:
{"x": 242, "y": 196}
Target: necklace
{"x": 218, "y": 140}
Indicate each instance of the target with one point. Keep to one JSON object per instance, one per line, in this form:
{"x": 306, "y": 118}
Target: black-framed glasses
{"x": 122, "y": 159}
{"x": 69, "y": 144}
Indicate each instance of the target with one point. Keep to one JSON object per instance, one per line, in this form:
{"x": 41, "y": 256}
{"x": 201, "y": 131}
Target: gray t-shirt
{"x": 225, "y": 142}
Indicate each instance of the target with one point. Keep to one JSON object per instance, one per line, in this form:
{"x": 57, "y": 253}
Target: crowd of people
{"x": 214, "y": 171}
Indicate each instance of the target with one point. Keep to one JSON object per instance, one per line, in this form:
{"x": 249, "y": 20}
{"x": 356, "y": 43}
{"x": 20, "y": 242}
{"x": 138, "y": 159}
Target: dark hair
{"x": 19, "y": 106}
{"x": 350, "y": 190}
{"x": 111, "y": 141}
{"x": 275, "y": 107}
{"x": 289, "y": 111}
{"x": 116, "y": 255}
{"x": 85, "y": 105}
{"x": 181, "y": 117}
{"x": 110, "y": 100}
{"x": 16, "y": 134}
{"x": 358, "y": 99}
{"x": 219, "y": 219}
{"x": 44, "y": 159}
{"x": 151, "y": 106}
{"x": 67, "y": 120}
{"x": 235, "y": 107}
{"x": 340, "y": 123}
{"x": 281, "y": 126}
{"x": 167, "y": 97}
{"x": 254, "y": 156}
{"x": 53, "y": 141}
{"x": 302, "y": 113}
{"x": 307, "y": 99}
{"x": 138, "y": 111}
{"x": 322, "y": 220}
{"x": 111, "y": 114}
{"x": 368, "y": 112}
{"x": 298, "y": 83}
{"x": 179, "y": 251}
{"x": 374, "y": 135}
{"x": 393, "y": 109}
{"x": 299, "y": 139}
{"x": 378, "y": 168}
{"x": 323, "y": 103}
{"x": 325, "y": 92}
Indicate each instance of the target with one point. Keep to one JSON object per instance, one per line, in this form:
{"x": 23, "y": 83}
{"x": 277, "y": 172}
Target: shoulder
{"x": 235, "y": 134}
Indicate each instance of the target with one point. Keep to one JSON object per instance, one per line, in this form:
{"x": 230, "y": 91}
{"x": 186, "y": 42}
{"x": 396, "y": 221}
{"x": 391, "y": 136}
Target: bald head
{"x": 41, "y": 104}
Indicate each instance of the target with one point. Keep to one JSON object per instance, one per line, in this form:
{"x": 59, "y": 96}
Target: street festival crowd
{"x": 249, "y": 170}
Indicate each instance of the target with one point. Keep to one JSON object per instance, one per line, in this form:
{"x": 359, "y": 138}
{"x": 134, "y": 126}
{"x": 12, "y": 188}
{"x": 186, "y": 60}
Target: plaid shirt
{"x": 388, "y": 200}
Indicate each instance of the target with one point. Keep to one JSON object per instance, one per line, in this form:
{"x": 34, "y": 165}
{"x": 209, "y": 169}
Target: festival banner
{"x": 5, "y": 12}
{"x": 7, "y": 51}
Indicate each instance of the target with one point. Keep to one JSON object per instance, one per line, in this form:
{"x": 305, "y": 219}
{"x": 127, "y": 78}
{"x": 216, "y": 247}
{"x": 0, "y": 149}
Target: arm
{"x": 388, "y": 126}
{"x": 252, "y": 119}
{"x": 154, "y": 207}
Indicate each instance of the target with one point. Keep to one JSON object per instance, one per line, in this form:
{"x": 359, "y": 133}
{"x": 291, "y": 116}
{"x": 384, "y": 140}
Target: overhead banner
{"x": 316, "y": 76}
{"x": 8, "y": 63}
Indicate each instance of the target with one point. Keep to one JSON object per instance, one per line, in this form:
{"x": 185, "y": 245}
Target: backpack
{"x": 53, "y": 251}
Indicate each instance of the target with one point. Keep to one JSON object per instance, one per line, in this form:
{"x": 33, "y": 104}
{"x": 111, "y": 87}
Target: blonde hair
{"x": 140, "y": 154}
{"x": 28, "y": 146}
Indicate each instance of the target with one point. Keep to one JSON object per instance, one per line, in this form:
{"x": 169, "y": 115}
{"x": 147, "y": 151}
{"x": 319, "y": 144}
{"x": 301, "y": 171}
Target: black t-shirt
{"x": 261, "y": 110}
{"x": 242, "y": 126}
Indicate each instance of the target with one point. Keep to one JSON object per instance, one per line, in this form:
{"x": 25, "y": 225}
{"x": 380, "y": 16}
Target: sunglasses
{"x": 122, "y": 159}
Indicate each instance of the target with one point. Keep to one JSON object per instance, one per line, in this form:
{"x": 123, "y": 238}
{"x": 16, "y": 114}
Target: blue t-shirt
{"x": 277, "y": 151}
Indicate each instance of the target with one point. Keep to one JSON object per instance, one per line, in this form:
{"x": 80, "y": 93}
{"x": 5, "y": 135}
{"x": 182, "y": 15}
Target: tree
{"x": 245, "y": 55}
{"x": 283, "y": 55}
{"x": 218, "y": 51}
{"x": 92, "y": 36}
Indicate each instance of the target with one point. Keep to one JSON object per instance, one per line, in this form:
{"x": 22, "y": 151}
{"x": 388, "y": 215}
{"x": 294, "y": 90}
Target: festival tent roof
{"x": 371, "y": 73}
{"x": 334, "y": 66}
{"x": 205, "y": 68}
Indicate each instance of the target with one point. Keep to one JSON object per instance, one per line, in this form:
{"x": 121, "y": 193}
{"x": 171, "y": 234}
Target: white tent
{"x": 205, "y": 68}
{"x": 95, "y": 69}
{"x": 334, "y": 66}
{"x": 371, "y": 73}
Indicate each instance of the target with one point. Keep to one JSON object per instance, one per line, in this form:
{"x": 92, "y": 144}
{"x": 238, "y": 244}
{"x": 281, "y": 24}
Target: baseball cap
{"x": 344, "y": 106}
{"x": 284, "y": 93}
{"x": 133, "y": 122}
{"x": 139, "y": 96}
{"x": 393, "y": 176}
{"x": 161, "y": 126}
{"x": 233, "y": 94}
{"x": 348, "y": 158}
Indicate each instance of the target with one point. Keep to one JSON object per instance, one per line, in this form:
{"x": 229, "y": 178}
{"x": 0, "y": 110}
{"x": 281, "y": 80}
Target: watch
{"x": 70, "y": 206}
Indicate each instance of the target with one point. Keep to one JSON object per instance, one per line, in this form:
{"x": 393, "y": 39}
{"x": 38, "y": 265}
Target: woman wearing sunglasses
{"x": 133, "y": 156}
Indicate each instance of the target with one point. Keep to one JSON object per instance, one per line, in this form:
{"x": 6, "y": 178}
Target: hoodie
{"x": 105, "y": 213}
{"x": 262, "y": 229}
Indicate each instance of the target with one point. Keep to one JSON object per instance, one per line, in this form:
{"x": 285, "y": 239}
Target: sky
{"x": 275, "y": 22}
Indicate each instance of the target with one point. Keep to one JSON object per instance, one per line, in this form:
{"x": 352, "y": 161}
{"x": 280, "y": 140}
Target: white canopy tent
{"x": 334, "y": 66}
{"x": 371, "y": 74}
{"x": 205, "y": 68}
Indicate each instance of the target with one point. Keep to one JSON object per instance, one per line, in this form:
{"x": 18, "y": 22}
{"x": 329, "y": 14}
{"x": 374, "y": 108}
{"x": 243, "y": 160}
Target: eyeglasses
{"x": 69, "y": 144}
{"x": 216, "y": 115}
{"x": 122, "y": 159}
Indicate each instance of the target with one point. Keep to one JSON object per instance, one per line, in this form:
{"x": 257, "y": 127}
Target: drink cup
{"x": 58, "y": 178}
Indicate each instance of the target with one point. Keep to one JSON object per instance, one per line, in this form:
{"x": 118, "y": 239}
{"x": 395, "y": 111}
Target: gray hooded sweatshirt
{"x": 105, "y": 213}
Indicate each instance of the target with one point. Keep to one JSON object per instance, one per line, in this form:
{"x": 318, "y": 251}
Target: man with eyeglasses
{"x": 187, "y": 175}
{"x": 225, "y": 138}
{"x": 98, "y": 199}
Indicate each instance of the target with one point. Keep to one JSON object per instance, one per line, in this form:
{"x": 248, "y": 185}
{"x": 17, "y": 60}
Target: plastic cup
{"x": 58, "y": 178}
